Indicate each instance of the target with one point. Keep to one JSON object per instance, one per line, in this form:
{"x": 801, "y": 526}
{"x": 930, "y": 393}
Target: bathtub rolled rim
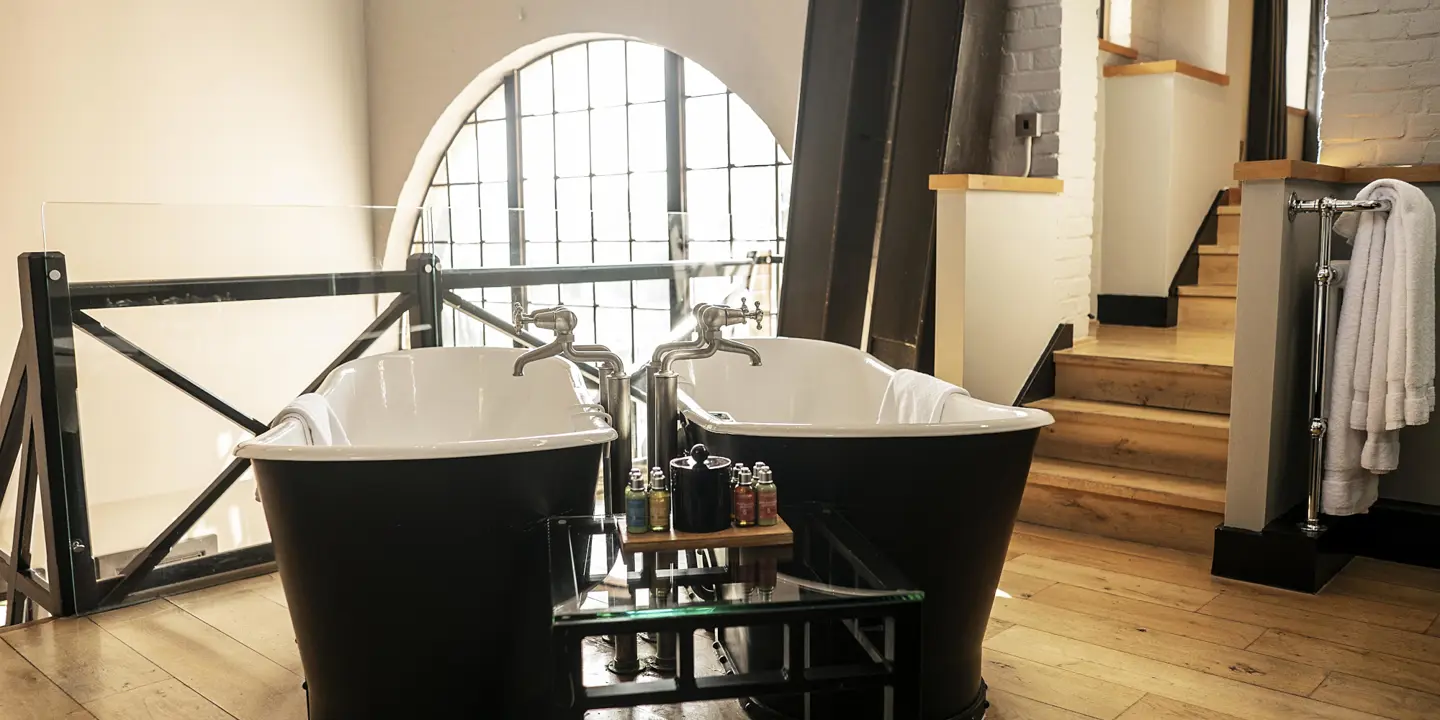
{"x": 263, "y": 447}
{"x": 1023, "y": 419}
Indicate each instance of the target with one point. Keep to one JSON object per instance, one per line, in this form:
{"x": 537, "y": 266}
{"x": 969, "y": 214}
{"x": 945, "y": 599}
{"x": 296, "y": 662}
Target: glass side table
{"x": 830, "y": 579}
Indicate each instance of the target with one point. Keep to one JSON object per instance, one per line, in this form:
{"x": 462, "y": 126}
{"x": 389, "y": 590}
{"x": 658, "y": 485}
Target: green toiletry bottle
{"x": 637, "y": 504}
{"x": 767, "y": 499}
{"x": 659, "y": 501}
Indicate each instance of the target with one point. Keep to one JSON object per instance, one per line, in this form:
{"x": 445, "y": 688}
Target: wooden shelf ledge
{"x": 1118, "y": 49}
{"x": 1299, "y": 170}
{"x": 997, "y": 183}
{"x": 1161, "y": 67}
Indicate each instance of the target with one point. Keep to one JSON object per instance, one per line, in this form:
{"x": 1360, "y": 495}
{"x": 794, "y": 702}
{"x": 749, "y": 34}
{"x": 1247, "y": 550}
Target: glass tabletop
{"x": 829, "y": 562}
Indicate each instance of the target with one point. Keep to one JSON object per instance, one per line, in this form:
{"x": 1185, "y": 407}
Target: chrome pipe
{"x": 619, "y": 454}
{"x": 1327, "y": 208}
{"x": 1318, "y": 387}
{"x": 662, "y": 407}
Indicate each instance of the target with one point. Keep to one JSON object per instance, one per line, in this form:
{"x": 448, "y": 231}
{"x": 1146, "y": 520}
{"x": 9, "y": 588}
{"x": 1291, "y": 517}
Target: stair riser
{"x": 1207, "y": 313}
{"x": 1228, "y": 230}
{"x": 1072, "y": 438}
{"x": 1219, "y": 269}
{"x": 1119, "y": 518}
{"x": 1143, "y": 385}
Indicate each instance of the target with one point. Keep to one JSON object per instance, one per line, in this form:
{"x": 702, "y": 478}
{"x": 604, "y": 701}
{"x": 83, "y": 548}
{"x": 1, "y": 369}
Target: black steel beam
{"x": 977, "y": 86}
{"x": 564, "y": 274}
{"x": 846, "y": 91}
{"x": 145, "y": 360}
{"x": 86, "y": 296}
{"x": 134, "y": 576}
{"x": 55, "y": 418}
{"x": 905, "y": 256}
{"x": 12, "y": 411}
{"x": 17, "y": 609}
{"x": 201, "y": 567}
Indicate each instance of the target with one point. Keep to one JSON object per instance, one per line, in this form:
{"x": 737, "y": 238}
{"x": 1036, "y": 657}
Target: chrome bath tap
{"x": 614, "y": 389}
{"x": 663, "y": 385}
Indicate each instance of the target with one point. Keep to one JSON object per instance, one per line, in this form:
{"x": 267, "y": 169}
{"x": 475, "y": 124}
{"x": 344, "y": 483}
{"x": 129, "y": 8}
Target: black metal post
{"x": 55, "y": 432}
{"x": 425, "y": 316}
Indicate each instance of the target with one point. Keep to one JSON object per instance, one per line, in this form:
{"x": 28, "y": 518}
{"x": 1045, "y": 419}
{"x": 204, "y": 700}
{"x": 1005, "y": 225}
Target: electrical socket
{"x": 1027, "y": 125}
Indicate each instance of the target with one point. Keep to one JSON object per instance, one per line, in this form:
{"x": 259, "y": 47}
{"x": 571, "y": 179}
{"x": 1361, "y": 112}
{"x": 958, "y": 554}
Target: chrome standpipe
{"x": 615, "y": 399}
{"x": 663, "y": 385}
{"x": 1325, "y": 274}
{"x": 614, "y": 391}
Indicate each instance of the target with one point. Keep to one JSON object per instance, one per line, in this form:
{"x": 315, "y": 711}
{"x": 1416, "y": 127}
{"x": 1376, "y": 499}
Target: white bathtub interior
{"x": 438, "y": 402}
{"x": 815, "y": 387}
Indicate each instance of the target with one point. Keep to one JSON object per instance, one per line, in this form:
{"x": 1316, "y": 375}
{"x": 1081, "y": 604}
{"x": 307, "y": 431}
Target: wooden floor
{"x": 1083, "y": 627}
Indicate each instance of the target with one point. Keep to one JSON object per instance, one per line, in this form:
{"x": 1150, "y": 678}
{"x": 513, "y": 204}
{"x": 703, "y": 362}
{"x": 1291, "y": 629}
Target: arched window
{"x": 606, "y": 152}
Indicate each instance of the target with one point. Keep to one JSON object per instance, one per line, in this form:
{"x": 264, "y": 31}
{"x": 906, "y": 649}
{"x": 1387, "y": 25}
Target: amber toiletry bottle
{"x": 767, "y": 500}
{"x": 659, "y": 501}
{"x": 744, "y": 500}
{"x": 637, "y": 504}
{"x": 734, "y": 483}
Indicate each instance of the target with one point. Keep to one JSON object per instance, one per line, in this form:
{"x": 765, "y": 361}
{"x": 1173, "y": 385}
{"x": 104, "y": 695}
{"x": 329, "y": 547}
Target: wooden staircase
{"x": 1142, "y": 425}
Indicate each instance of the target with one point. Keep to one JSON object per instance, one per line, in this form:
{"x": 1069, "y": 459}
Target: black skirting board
{"x": 1284, "y": 556}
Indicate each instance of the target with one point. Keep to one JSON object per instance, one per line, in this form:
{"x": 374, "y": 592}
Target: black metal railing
{"x": 42, "y": 420}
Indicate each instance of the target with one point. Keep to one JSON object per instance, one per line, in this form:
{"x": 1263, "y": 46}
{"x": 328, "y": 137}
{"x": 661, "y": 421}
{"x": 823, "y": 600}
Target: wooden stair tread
{"x": 1122, "y": 359}
{"x": 1213, "y": 291}
{"x": 1190, "y": 422}
{"x": 1228, "y": 209}
{"x": 1157, "y": 488}
{"x": 1219, "y": 249}
{"x": 1165, "y": 347}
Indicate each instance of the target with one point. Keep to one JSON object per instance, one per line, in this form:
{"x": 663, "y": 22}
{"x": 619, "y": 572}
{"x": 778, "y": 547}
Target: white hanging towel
{"x": 317, "y": 419}
{"x": 914, "y": 398}
{"x": 1383, "y": 375}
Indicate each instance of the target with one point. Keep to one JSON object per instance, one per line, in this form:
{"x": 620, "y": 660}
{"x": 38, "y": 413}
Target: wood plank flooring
{"x": 1083, "y": 628}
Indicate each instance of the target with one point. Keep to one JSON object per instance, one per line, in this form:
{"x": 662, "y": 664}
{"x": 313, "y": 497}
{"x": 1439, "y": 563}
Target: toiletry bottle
{"x": 659, "y": 501}
{"x": 744, "y": 500}
{"x": 734, "y": 483}
{"x": 767, "y": 500}
{"x": 637, "y": 504}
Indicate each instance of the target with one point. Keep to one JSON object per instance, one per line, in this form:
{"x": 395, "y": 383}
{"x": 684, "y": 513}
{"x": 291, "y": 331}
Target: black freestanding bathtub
{"x": 939, "y": 499}
{"x": 412, "y": 553}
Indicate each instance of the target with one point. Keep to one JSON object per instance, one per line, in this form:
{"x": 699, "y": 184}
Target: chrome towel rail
{"x": 1327, "y": 208}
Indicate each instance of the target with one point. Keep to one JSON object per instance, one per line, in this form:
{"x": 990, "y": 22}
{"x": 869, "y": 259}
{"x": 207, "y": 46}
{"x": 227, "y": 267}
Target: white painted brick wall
{"x": 1080, "y": 90}
{"x": 1050, "y": 60}
{"x": 1380, "y": 101}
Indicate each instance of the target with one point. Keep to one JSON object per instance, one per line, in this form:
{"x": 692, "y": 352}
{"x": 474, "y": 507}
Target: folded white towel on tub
{"x": 317, "y": 420}
{"x": 913, "y": 398}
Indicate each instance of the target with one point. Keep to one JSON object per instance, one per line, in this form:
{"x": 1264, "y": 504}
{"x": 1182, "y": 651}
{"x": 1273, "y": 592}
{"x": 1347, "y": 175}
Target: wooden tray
{"x": 756, "y": 536}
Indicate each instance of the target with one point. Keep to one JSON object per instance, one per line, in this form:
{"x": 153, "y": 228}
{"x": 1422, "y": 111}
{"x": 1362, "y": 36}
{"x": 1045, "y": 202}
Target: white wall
{"x": 995, "y": 302}
{"x": 1080, "y": 89}
{"x": 1196, "y": 32}
{"x": 171, "y": 101}
{"x": 1380, "y": 92}
{"x": 432, "y": 61}
{"x": 1165, "y": 141}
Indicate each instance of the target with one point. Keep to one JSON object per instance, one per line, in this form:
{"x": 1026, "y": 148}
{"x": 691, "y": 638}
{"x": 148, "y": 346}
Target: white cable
{"x": 1029, "y": 145}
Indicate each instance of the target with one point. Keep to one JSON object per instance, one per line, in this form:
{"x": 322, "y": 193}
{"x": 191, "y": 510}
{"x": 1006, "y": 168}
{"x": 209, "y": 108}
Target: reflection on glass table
{"x": 835, "y": 614}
